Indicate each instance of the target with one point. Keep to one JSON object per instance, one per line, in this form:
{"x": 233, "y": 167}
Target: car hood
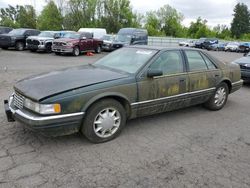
{"x": 243, "y": 60}
{"x": 40, "y": 38}
{"x": 56, "y": 82}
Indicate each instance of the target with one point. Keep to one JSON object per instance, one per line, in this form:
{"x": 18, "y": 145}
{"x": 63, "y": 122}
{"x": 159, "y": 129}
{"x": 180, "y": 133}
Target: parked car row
{"x": 214, "y": 44}
{"x": 75, "y": 43}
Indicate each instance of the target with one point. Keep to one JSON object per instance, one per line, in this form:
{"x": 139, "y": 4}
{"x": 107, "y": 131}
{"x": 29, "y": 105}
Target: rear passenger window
{"x": 195, "y": 61}
{"x": 209, "y": 63}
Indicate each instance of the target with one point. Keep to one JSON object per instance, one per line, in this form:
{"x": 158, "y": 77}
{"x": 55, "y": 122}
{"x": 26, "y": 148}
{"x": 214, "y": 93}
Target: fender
{"x": 103, "y": 95}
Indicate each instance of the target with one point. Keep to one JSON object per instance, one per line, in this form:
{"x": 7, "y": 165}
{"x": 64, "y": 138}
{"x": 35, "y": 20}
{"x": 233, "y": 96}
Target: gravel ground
{"x": 192, "y": 147}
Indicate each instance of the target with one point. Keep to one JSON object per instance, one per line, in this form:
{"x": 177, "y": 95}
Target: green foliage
{"x": 116, "y": 14}
{"x": 17, "y": 16}
{"x": 166, "y": 21}
{"x": 26, "y": 16}
{"x": 241, "y": 21}
{"x": 50, "y": 18}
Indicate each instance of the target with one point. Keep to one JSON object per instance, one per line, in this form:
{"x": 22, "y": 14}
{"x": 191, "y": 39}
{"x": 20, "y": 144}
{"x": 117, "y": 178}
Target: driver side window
{"x": 169, "y": 62}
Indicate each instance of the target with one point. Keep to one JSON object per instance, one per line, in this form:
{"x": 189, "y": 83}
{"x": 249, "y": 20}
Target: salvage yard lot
{"x": 192, "y": 147}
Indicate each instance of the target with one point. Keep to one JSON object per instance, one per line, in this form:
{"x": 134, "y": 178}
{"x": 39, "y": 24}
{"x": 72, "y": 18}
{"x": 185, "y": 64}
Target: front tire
{"x": 104, "y": 121}
{"x": 76, "y": 51}
{"x": 219, "y": 99}
{"x": 58, "y": 53}
{"x": 19, "y": 46}
{"x": 48, "y": 48}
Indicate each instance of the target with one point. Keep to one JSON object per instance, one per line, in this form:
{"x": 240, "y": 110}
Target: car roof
{"x": 162, "y": 48}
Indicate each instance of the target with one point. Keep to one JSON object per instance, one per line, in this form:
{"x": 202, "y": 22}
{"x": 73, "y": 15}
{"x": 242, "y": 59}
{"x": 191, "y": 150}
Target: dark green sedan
{"x": 98, "y": 99}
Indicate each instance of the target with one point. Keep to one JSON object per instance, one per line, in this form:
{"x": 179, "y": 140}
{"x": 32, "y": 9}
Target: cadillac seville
{"x": 97, "y": 99}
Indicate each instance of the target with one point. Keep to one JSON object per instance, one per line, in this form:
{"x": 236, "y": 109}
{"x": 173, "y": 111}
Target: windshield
{"x": 233, "y": 43}
{"x": 72, "y": 35}
{"x": 17, "y": 32}
{"x": 201, "y": 39}
{"x": 123, "y": 38}
{"x": 107, "y": 37}
{"x": 128, "y": 60}
{"x": 46, "y": 34}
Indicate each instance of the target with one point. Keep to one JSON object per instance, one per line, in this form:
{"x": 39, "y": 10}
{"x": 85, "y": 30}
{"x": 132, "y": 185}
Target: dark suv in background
{"x": 204, "y": 43}
{"x": 5, "y": 29}
{"x": 17, "y": 38}
{"x": 130, "y": 36}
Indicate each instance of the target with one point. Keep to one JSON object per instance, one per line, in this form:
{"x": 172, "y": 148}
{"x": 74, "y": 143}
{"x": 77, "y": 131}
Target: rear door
{"x": 163, "y": 93}
{"x": 203, "y": 76}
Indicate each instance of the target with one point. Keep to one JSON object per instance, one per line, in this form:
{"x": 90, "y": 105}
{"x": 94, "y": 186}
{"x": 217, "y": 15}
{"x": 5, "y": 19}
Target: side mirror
{"x": 154, "y": 72}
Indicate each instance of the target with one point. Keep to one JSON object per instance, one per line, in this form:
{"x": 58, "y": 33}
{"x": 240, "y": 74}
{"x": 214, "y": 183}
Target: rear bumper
{"x": 55, "y": 125}
{"x": 236, "y": 86}
{"x": 7, "y": 44}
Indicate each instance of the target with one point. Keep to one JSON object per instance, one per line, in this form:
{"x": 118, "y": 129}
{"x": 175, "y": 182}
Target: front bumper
{"x": 62, "y": 49}
{"x": 35, "y": 47}
{"x": 236, "y": 86}
{"x": 245, "y": 75}
{"x": 50, "y": 125}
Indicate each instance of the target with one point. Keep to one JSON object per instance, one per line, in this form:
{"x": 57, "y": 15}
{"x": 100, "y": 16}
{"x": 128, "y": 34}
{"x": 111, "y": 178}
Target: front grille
{"x": 18, "y": 100}
{"x": 58, "y": 43}
{"x": 244, "y": 67}
{"x": 32, "y": 41}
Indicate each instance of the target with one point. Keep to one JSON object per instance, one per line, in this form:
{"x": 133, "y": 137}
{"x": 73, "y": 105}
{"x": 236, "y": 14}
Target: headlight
{"x": 69, "y": 44}
{"x": 41, "y": 42}
{"x": 247, "y": 65}
{"x": 13, "y": 38}
{"x": 42, "y": 108}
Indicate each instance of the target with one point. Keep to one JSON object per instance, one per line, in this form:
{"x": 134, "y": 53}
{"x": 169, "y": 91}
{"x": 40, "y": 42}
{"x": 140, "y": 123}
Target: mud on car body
{"x": 98, "y": 99}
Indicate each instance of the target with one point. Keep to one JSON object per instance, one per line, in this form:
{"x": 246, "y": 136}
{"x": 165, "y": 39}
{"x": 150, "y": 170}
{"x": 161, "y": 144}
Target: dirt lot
{"x": 192, "y": 147}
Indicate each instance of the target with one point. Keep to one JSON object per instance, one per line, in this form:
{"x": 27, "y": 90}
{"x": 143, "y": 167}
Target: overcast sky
{"x": 214, "y": 11}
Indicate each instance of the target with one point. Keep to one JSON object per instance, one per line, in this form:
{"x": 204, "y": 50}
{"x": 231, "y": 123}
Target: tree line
{"x": 116, "y": 14}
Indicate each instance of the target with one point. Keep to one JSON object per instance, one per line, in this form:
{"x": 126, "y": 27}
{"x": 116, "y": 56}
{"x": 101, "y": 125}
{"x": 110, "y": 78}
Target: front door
{"x": 166, "y": 92}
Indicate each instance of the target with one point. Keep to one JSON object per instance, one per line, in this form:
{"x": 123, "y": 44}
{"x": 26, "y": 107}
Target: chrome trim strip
{"x": 239, "y": 82}
{"x": 179, "y": 95}
{"x": 41, "y": 118}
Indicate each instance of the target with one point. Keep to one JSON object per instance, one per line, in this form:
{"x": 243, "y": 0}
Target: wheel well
{"x": 121, "y": 100}
{"x": 229, "y": 84}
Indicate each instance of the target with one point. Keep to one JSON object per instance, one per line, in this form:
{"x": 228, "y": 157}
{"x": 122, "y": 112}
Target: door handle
{"x": 216, "y": 75}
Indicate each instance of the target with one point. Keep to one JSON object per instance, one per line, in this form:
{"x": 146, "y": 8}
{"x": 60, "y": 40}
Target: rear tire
{"x": 19, "y": 46}
{"x": 5, "y": 48}
{"x": 104, "y": 121}
{"x": 219, "y": 98}
{"x": 98, "y": 50}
